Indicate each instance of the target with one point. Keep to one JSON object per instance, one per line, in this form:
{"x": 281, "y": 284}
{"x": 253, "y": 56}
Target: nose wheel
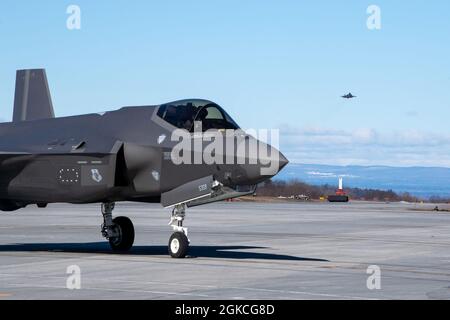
{"x": 179, "y": 242}
{"x": 178, "y": 245}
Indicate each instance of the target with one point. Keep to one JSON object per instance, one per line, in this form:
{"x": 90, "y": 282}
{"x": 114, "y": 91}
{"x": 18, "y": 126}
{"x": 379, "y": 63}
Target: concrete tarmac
{"x": 239, "y": 250}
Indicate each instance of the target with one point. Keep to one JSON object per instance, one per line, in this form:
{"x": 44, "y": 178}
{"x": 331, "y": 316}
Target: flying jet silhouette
{"x": 349, "y": 96}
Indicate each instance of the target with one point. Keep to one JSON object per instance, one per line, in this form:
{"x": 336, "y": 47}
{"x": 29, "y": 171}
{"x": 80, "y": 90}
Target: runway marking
{"x": 56, "y": 259}
{"x": 111, "y": 280}
{"x": 313, "y": 294}
{"x": 251, "y": 289}
{"x": 20, "y": 285}
{"x": 283, "y": 236}
{"x": 339, "y": 271}
{"x": 240, "y": 264}
{"x": 327, "y": 295}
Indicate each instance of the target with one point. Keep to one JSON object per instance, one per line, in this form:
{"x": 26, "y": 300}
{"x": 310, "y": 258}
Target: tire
{"x": 178, "y": 245}
{"x": 125, "y": 240}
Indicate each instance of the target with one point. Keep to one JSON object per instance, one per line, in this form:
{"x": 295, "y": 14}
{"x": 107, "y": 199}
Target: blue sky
{"x": 270, "y": 64}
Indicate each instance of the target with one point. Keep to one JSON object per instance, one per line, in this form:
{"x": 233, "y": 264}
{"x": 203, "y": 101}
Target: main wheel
{"x": 125, "y": 230}
{"x": 178, "y": 245}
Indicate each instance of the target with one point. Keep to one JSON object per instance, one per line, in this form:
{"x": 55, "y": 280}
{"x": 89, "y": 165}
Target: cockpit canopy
{"x": 187, "y": 114}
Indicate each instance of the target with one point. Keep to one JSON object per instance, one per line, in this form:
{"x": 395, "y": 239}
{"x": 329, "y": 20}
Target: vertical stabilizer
{"x": 32, "y": 99}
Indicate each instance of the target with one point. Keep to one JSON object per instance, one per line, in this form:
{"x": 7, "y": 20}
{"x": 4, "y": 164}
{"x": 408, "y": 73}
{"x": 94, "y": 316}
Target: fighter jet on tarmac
{"x": 123, "y": 155}
{"x": 349, "y": 96}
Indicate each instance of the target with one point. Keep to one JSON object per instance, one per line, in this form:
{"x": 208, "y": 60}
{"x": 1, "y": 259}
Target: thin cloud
{"x": 365, "y": 146}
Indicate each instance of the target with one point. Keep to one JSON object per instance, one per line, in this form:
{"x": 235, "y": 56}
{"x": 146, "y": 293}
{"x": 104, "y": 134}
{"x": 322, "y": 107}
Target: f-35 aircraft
{"x": 122, "y": 155}
{"x": 349, "y": 96}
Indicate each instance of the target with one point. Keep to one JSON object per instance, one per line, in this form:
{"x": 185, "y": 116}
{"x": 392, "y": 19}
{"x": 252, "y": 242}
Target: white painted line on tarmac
{"x": 113, "y": 290}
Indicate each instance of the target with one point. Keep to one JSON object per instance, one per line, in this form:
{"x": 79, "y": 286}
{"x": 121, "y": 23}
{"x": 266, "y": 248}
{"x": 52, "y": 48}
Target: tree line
{"x": 291, "y": 188}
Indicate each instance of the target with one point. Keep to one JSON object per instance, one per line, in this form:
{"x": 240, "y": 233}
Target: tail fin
{"x": 32, "y": 99}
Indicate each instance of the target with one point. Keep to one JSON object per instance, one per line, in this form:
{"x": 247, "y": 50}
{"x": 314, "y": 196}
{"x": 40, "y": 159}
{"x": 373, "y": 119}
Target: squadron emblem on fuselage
{"x": 96, "y": 176}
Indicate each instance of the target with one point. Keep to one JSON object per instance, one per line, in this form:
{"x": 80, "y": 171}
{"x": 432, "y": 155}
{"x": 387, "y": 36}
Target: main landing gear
{"x": 119, "y": 231}
{"x": 179, "y": 242}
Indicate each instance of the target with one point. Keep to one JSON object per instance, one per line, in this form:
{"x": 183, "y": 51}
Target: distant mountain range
{"x": 419, "y": 181}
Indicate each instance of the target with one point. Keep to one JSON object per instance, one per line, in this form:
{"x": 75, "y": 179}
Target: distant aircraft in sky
{"x": 349, "y": 96}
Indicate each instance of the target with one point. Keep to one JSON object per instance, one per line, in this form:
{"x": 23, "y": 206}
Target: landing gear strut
{"x": 179, "y": 242}
{"x": 119, "y": 231}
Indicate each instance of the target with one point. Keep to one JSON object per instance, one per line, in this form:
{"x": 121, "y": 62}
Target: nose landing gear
{"x": 179, "y": 242}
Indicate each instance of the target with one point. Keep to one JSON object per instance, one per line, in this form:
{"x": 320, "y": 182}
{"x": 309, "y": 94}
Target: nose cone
{"x": 263, "y": 166}
{"x": 283, "y": 162}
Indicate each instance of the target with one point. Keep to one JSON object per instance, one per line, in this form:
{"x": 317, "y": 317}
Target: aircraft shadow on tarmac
{"x": 221, "y": 252}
